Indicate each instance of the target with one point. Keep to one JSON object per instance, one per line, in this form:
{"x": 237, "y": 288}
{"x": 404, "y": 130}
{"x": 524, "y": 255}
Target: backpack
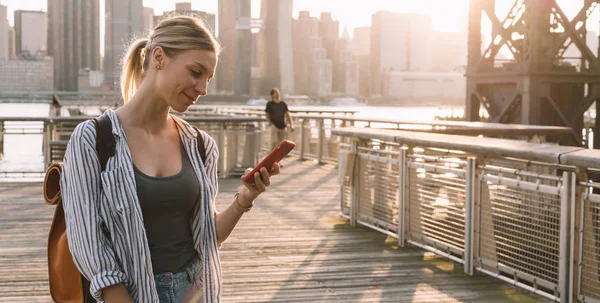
{"x": 66, "y": 283}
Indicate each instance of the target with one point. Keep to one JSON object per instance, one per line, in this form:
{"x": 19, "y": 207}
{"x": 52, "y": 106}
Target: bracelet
{"x": 239, "y": 206}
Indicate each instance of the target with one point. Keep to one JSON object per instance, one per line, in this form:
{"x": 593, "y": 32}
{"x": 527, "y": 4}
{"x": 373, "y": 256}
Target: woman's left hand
{"x": 262, "y": 180}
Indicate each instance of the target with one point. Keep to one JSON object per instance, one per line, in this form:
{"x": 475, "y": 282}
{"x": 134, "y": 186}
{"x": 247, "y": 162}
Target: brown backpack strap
{"x": 105, "y": 141}
{"x": 201, "y": 147}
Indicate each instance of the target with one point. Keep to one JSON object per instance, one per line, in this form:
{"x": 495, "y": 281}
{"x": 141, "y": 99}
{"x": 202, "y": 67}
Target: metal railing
{"x": 316, "y": 140}
{"x": 242, "y": 139}
{"x": 524, "y": 213}
{"x": 236, "y": 137}
{"x": 586, "y": 216}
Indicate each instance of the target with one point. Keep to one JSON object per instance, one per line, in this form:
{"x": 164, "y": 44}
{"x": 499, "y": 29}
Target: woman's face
{"x": 185, "y": 77}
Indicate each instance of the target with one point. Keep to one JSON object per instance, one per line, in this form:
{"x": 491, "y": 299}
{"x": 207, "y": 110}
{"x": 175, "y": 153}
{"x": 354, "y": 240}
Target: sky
{"x": 446, "y": 15}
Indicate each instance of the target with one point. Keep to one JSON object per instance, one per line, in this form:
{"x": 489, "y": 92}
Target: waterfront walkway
{"x": 292, "y": 247}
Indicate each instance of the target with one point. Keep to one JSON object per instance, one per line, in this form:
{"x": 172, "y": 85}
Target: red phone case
{"x": 276, "y": 155}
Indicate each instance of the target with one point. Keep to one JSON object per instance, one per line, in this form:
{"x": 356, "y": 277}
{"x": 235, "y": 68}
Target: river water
{"x": 23, "y": 152}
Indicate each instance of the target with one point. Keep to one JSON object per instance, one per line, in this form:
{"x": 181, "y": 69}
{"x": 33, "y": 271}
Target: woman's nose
{"x": 201, "y": 88}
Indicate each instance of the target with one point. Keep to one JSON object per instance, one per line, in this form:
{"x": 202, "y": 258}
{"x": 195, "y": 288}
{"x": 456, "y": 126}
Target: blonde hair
{"x": 175, "y": 34}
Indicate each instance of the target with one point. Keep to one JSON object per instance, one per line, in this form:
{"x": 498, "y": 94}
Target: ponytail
{"x": 134, "y": 64}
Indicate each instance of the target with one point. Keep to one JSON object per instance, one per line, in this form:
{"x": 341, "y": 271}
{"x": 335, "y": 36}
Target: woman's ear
{"x": 158, "y": 56}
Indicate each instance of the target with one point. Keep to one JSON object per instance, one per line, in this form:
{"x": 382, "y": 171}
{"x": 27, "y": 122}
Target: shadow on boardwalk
{"x": 292, "y": 247}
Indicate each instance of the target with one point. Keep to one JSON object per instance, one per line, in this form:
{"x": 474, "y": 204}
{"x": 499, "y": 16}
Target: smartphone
{"x": 276, "y": 155}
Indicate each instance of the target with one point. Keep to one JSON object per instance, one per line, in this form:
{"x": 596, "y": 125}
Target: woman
{"x": 145, "y": 229}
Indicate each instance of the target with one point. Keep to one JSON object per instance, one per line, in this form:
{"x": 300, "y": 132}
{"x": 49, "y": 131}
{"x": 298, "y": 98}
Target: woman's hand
{"x": 262, "y": 180}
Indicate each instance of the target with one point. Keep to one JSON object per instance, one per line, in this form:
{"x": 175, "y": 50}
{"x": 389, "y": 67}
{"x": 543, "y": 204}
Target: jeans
{"x": 182, "y": 287}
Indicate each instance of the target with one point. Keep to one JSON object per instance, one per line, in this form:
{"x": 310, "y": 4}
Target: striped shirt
{"x": 105, "y": 226}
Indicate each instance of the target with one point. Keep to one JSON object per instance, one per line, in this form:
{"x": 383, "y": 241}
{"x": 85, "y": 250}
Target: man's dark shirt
{"x": 277, "y": 113}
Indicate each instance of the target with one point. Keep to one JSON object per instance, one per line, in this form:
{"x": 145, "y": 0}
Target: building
{"x": 275, "y": 46}
{"x": 30, "y": 33}
{"x": 12, "y": 44}
{"x": 91, "y": 81}
{"x": 4, "y": 33}
{"x": 362, "y": 54}
{"x": 305, "y": 33}
{"x": 351, "y": 82}
{"x": 234, "y": 69}
{"x": 361, "y": 41}
{"x": 73, "y": 39}
{"x": 420, "y": 43}
{"x": 449, "y": 51}
{"x": 255, "y": 76}
{"x": 123, "y": 22}
{"x": 329, "y": 31}
{"x": 345, "y": 68}
{"x": 399, "y": 42}
{"x": 426, "y": 87}
{"x": 27, "y": 75}
{"x": 148, "y": 14}
{"x": 185, "y": 8}
{"x": 321, "y": 82}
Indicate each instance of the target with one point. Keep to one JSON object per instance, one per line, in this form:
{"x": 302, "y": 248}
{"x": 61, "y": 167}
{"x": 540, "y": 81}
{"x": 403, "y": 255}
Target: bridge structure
{"x": 539, "y": 84}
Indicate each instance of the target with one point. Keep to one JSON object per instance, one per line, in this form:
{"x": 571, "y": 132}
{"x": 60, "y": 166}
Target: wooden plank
{"x": 292, "y": 247}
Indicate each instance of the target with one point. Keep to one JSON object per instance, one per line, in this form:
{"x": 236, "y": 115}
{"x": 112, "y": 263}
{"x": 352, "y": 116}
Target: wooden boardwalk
{"x": 292, "y": 247}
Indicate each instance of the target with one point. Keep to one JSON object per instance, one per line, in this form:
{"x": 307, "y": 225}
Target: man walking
{"x": 278, "y": 114}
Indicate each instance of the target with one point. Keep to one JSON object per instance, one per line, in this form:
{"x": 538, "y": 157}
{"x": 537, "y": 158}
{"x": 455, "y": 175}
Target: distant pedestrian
{"x": 279, "y": 116}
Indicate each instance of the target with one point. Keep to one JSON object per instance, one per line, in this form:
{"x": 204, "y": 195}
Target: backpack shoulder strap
{"x": 105, "y": 141}
{"x": 201, "y": 147}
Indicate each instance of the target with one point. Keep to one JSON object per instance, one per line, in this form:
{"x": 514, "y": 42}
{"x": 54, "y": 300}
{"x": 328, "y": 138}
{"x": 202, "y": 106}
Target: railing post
{"x": 354, "y": 183}
{"x": 49, "y": 137}
{"x": 563, "y": 259}
{"x": 302, "y": 138}
{"x": 321, "y": 142}
{"x": 1, "y": 139}
{"x": 470, "y": 179}
{"x": 572, "y": 231}
{"x": 222, "y": 151}
{"x": 402, "y": 201}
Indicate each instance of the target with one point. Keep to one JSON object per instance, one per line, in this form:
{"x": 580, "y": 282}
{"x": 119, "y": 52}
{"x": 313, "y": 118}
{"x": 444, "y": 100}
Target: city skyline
{"x": 446, "y": 16}
{"x": 358, "y": 13}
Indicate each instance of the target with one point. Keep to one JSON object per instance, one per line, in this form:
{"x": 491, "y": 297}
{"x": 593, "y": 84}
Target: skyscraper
{"x": 73, "y": 39}
{"x": 124, "y": 19}
{"x": 329, "y": 31}
{"x": 362, "y": 54}
{"x": 345, "y": 69}
{"x": 12, "y": 44}
{"x": 399, "y": 42}
{"x": 185, "y": 8}
{"x": 30, "y": 32}
{"x": 305, "y": 39}
{"x": 148, "y": 19}
{"x": 275, "y": 45}
{"x": 233, "y": 73}
{"x": 362, "y": 41}
{"x": 3, "y": 33}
